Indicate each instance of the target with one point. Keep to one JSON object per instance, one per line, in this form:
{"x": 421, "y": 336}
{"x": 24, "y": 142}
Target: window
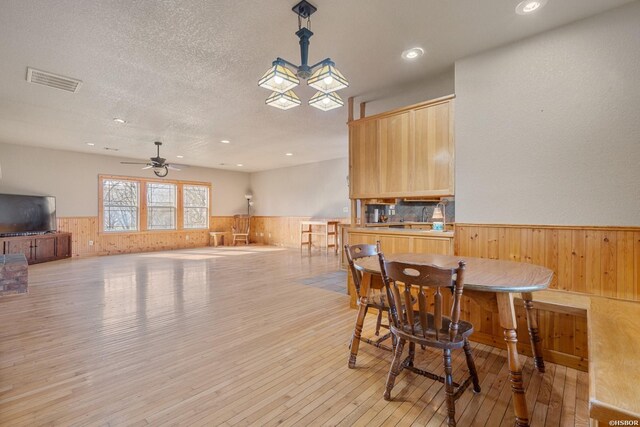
{"x": 120, "y": 205}
{"x": 152, "y": 205}
{"x": 161, "y": 206}
{"x": 196, "y": 206}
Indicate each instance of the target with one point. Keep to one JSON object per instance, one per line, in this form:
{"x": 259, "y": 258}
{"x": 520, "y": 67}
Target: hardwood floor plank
{"x": 228, "y": 336}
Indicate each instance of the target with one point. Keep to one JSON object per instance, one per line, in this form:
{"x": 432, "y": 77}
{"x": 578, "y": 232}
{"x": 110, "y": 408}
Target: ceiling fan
{"x": 158, "y": 164}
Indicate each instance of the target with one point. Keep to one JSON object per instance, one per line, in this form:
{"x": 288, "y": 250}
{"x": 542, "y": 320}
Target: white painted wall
{"x": 314, "y": 189}
{"x": 73, "y": 179}
{"x": 433, "y": 87}
{"x": 548, "y": 129}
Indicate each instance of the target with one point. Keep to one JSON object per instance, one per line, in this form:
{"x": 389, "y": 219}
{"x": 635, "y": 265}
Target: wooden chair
{"x": 240, "y": 229}
{"x": 425, "y": 328}
{"x": 375, "y": 299}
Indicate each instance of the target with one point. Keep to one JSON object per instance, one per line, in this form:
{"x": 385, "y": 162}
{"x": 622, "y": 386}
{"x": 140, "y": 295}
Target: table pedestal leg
{"x": 508, "y": 322}
{"x": 532, "y": 323}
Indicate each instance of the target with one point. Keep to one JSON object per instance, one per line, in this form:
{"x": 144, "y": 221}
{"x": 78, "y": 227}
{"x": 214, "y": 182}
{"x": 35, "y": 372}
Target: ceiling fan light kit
{"x": 158, "y": 164}
{"x": 326, "y": 78}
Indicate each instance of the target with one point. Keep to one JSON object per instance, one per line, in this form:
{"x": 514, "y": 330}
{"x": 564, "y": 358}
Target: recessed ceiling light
{"x": 119, "y": 120}
{"x": 225, "y": 141}
{"x": 413, "y": 53}
{"x": 288, "y": 154}
{"x": 239, "y": 164}
{"x": 529, "y": 6}
{"x": 180, "y": 157}
{"x": 91, "y": 144}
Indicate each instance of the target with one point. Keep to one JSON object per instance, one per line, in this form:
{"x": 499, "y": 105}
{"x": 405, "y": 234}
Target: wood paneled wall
{"x": 281, "y": 230}
{"x": 85, "y": 230}
{"x": 591, "y": 260}
{"x": 268, "y": 230}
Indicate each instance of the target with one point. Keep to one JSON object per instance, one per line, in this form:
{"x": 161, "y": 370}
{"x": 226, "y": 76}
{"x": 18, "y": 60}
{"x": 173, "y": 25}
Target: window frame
{"x": 174, "y": 205}
{"x": 208, "y": 207}
{"x": 142, "y": 204}
{"x": 101, "y": 205}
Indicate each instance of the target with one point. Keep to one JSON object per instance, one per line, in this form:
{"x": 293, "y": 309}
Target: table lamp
{"x": 438, "y": 218}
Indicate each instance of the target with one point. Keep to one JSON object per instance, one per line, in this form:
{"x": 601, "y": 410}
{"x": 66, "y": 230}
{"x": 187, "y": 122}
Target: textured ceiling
{"x": 185, "y": 72}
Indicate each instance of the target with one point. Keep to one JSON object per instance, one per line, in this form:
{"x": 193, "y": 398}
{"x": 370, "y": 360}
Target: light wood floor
{"x": 228, "y": 336}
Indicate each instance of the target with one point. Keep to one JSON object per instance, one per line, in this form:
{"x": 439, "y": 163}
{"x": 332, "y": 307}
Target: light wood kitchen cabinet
{"x": 433, "y": 154}
{"x": 403, "y": 153}
{"x": 364, "y": 160}
{"x": 396, "y": 152}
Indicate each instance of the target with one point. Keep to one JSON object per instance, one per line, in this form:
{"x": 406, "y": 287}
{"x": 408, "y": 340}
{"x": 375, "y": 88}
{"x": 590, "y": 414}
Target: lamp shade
{"x": 326, "y": 101}
{"x": 327, "y": 78}
{"x": 278, "y": 78}
{"x": 283, "y": 101}
{"x": 437, "y": 214}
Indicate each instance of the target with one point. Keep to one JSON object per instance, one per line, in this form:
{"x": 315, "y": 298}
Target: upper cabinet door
{"x": 405, "y": 153}
{"x": 434, "y": 152}
{"x": 396, "y": 154}
{"x": 364, "y": 160}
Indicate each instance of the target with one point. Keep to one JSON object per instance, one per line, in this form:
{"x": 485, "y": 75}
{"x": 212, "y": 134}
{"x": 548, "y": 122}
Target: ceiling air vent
{"x": 53, "y": 80}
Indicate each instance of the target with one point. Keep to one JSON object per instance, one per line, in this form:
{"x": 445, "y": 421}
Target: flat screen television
{"x": 24, "y": 215}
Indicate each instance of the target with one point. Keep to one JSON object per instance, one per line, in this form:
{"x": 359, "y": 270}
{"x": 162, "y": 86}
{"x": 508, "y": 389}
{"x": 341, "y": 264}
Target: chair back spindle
{"x": 355, "y": 252}
{"x": 423, "y": 277}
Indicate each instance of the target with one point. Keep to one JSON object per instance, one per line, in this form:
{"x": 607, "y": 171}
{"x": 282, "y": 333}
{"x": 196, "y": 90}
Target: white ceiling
{"x": 185, "y": 72}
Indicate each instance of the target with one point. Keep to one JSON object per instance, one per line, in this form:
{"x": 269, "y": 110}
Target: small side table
{"x": 216, "y": 238}
{"x": 330, "y": 229}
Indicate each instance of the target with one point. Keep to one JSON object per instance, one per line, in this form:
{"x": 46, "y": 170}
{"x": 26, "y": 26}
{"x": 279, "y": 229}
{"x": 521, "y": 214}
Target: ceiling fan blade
{"x": 180, "y": 166}
{"x": 172, "y": 167}
{"x": 147, "y": 167}
{"x": 132, "y": 163}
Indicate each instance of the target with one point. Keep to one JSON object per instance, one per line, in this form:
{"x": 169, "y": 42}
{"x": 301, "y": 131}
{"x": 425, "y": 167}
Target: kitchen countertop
{"x": 405, "y": 231}
{"x": 387, "y": 224}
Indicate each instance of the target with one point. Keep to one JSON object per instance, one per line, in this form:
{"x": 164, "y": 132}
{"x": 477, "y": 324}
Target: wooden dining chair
{"x": 375, "y": 298}
{"x": 240, "y": 229}
{"x": 425, "y": 328}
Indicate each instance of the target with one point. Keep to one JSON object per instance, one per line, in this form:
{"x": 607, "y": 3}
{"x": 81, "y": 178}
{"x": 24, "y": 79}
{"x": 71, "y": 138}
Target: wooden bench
{"x": 614, "y": 350}
{"x": 614, "y": 360}
{"x": 216, "y": 238}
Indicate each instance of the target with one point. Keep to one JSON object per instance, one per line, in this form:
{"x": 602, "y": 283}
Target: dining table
{"x": 491, "y": 283}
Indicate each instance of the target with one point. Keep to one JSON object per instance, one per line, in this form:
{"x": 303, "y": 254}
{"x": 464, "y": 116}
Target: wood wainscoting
{"x": 267, "y": 230}
{"x": 591, "y": 260}
{"x": 88, "y": 240}
{"x": 281, "y": 230}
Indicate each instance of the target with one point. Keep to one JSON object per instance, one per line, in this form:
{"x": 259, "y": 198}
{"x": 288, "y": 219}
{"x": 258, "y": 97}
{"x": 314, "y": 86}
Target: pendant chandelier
{"x": 326, "y": 78}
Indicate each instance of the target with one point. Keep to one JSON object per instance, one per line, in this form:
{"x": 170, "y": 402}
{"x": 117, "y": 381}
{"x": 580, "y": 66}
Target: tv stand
{"x": 28, "y": 233}
{"x": 38, "y": 248}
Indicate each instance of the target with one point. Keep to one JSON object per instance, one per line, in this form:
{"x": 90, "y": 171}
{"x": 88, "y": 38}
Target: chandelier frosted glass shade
{"x": 326, "y": 101}
{"x": 285, "y": 75}
{"x": 327, "y": 79}
{"x": 278, "y": 78}
{"x": 283, "y": 101}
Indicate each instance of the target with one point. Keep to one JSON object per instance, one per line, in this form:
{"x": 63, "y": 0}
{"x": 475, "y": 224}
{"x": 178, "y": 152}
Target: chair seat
{"x": 428, "y": 337}
{"x": 378, "y": 300}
